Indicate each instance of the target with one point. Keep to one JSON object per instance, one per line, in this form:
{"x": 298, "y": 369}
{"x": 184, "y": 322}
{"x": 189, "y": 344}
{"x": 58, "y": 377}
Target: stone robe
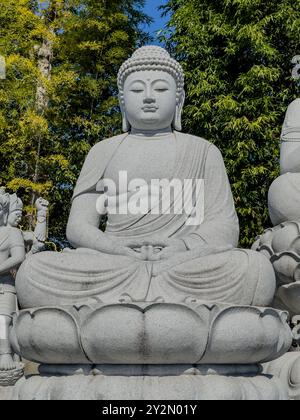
{"x": 211, "y": 269}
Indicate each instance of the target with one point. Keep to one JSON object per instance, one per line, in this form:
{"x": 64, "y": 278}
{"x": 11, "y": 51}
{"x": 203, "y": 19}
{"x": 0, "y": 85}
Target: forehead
{"x": 149, "y": 76}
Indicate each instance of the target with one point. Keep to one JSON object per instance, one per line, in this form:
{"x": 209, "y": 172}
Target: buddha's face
{"x": 150, "y": 100}
{"x": 15, "y": 218}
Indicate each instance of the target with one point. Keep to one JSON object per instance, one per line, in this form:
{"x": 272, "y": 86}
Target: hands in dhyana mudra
{"x": 152, "y": 250}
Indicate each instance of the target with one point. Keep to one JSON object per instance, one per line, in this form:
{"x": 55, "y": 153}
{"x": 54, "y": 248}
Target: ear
{"x": 178, "y": 113}
{"x": 125, "y": 123}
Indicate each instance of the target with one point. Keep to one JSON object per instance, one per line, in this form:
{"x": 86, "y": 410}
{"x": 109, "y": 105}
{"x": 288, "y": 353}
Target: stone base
{"x": 126, "y": 383}
{"x": 151, "y": 333}
{"x": 287, "y": 368}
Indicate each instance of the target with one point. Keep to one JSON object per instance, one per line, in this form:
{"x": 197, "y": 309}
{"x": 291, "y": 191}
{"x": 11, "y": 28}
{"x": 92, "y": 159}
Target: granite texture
{"x": 156, "y": 333}
{"x": 156, "y": 306}
{"x": 184, "y": 387}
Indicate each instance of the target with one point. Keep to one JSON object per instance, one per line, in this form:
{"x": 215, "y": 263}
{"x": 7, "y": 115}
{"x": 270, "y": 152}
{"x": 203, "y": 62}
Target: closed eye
{"x": 162, "y": 90}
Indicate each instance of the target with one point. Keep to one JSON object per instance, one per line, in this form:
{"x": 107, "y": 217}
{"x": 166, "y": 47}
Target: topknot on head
{"x": 151, "y": 51}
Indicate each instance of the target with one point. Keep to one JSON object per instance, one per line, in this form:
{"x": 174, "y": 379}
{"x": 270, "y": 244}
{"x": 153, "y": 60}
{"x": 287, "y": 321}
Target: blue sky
{"x": 151, "y": 10}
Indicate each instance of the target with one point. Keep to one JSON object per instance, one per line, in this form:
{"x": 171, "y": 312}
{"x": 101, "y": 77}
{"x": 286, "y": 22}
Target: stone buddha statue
{"x": 161, "y": 304}
{"x": 162, "y": 256}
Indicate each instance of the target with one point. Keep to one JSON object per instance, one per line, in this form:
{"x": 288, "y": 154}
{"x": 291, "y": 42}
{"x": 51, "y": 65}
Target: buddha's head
{"x": 4, "y": 207}
{"x": 151, "y": 91}
{"x": 15, "y": 211}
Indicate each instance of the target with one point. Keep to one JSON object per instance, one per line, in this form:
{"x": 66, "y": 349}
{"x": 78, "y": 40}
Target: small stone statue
{"x": 35, "y": 241}
{"x": 281, "y": 244}
{"x": 12, "y": 254}
{"x": 14, "y": 242}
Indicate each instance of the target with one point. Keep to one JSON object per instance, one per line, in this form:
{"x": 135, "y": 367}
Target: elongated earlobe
{"x": 125, "y": 123}
{"x": 177, "y": 123}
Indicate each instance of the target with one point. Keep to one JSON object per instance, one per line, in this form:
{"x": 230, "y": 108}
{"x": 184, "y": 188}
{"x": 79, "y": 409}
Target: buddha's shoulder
{"x": 107, "y": 144}
{"x": 196, "y": 139}
{"x": 103, "y": 149}
{"x": 208, "y": 148}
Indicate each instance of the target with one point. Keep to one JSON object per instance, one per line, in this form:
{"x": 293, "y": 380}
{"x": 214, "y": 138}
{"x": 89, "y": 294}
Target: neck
{"x": 151, "y": 133}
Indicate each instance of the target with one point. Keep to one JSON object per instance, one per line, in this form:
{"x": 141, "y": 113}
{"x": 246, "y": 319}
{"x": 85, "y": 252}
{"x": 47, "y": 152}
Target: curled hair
{"x": 151, "y": 58}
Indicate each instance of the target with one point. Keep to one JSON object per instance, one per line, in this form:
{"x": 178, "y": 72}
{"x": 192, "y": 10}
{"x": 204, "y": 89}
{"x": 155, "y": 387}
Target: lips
{"x": 150, "y": 108}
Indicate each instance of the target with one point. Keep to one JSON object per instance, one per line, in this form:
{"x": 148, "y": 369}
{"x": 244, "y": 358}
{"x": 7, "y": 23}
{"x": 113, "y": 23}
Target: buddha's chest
{"x": 143, "y": 159}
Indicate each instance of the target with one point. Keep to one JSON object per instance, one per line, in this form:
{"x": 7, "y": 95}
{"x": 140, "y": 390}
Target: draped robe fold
{"x": 211, "y": 269}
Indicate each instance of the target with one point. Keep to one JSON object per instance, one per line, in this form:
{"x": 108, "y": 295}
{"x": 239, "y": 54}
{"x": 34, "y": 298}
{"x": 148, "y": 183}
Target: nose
{"x": 149, "y": 98}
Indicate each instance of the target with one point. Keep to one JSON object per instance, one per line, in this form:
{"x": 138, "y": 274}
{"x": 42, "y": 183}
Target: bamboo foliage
{"x": 237, "y": 58}
{"x": 59, "y": 96}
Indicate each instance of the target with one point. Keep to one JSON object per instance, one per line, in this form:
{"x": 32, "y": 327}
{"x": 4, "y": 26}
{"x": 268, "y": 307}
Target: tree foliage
{"x": 80, "y": 45}
{"x": 237, "y": 58}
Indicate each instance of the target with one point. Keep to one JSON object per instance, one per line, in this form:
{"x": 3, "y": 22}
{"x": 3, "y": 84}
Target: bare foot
{"x": 7, "y": 363}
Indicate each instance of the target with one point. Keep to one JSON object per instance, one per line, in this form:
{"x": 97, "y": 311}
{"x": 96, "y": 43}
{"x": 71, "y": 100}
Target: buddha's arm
{"x": 220, "y": 228}
{"x": 83, "y": 227}
{"x": 290, "y": 156}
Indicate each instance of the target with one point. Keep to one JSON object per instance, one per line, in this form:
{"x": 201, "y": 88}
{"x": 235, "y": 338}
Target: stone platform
{"x": 150, "y": 334}
{"x": 150, "y": 351}
{"x": 156, "y": 383}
